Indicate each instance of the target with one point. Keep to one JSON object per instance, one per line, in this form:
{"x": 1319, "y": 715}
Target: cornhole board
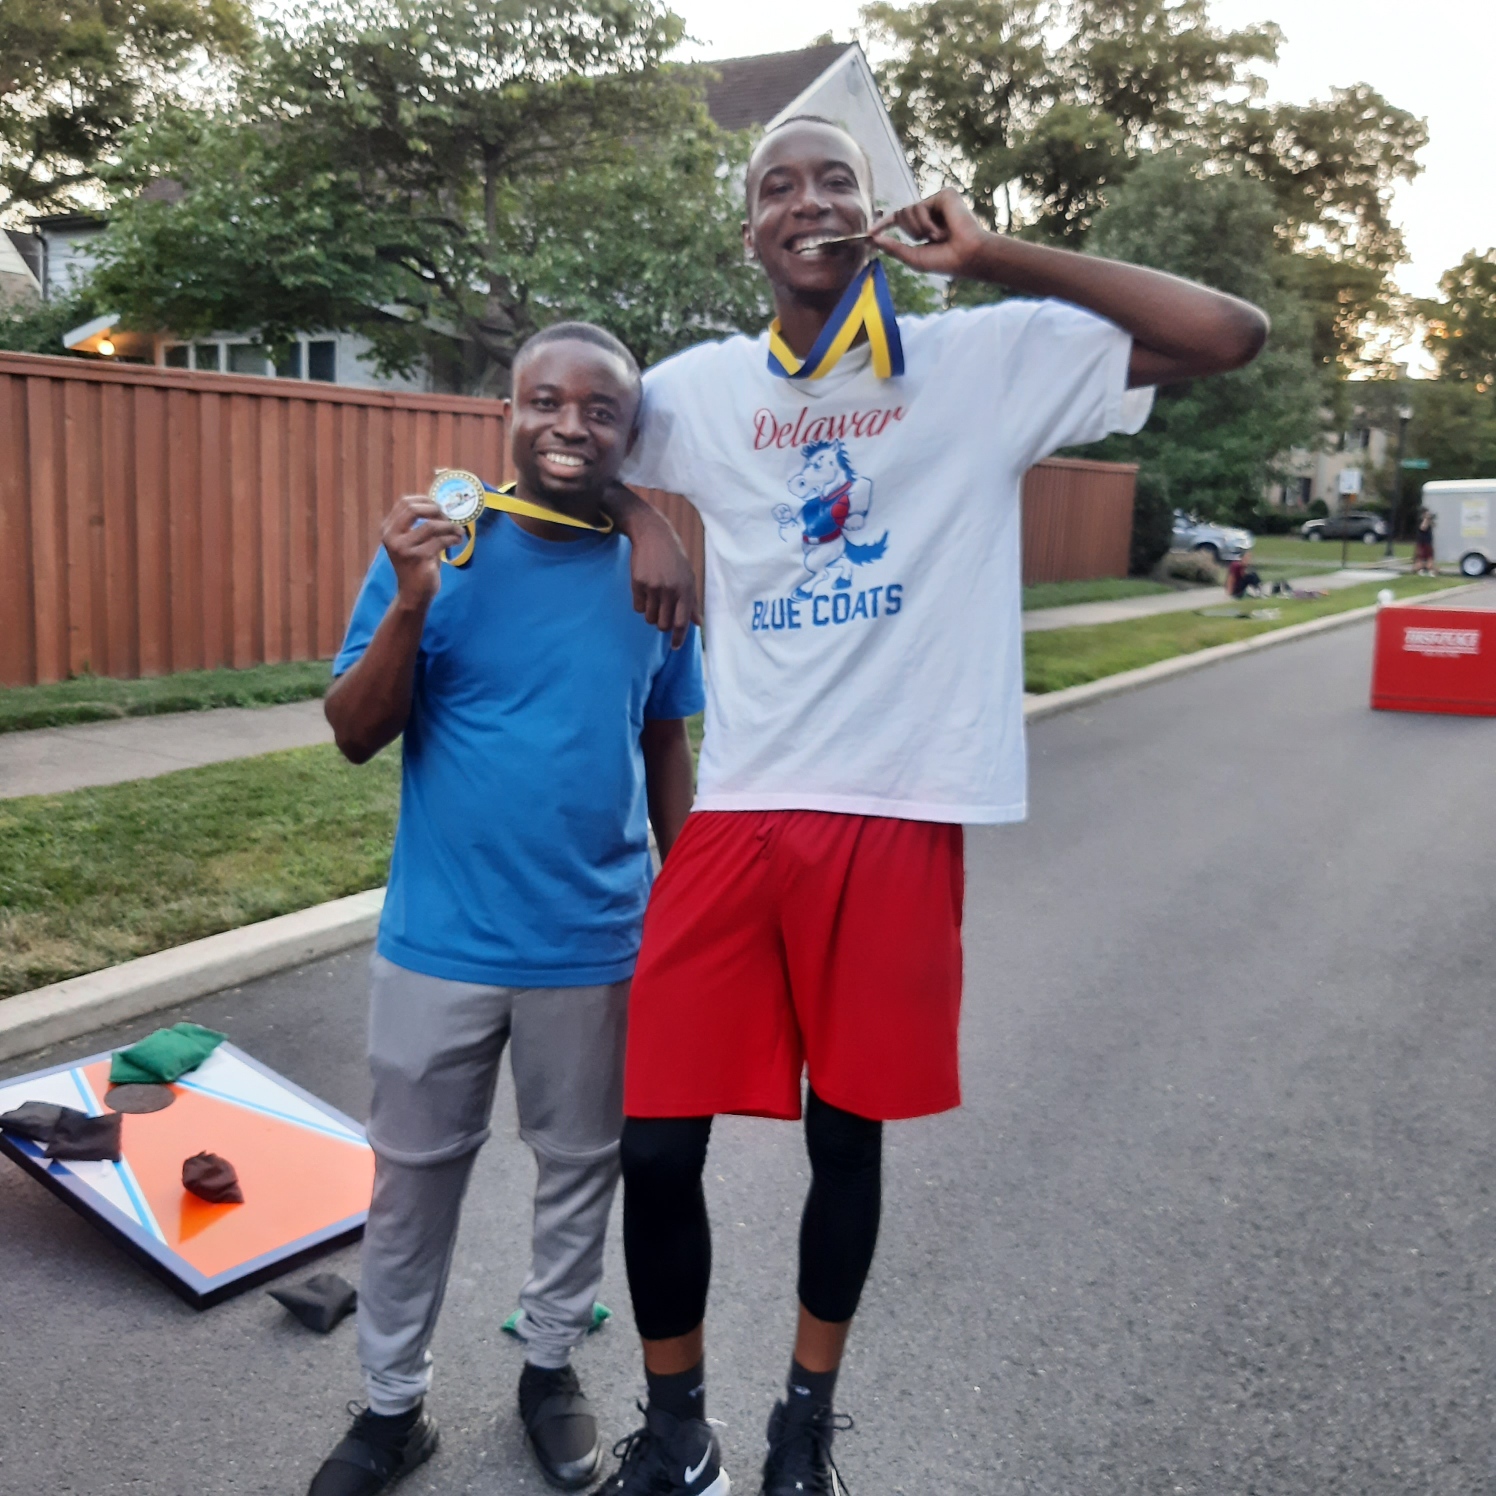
{"x": 1435, "y": 660}
{"x": 306, "y": 1171}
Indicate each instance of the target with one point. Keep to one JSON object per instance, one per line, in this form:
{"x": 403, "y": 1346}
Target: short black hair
{"x": 579, "y": 332}
{"x": 813, "y": 119}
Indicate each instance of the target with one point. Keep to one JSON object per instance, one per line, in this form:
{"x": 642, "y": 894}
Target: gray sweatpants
{"x": 434, "y": 1049}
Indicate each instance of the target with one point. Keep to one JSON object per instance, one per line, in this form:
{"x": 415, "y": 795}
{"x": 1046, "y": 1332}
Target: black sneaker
{"x": 559, "y": 1426}
{"x": 668, "y": 1457}
{"x": 799, "y": 1460}
{"x": 375, "y": 1453}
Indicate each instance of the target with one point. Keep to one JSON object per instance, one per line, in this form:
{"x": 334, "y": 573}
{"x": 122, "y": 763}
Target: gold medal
{"x": 463, "y": 496}
{"x": 459, "y": 495}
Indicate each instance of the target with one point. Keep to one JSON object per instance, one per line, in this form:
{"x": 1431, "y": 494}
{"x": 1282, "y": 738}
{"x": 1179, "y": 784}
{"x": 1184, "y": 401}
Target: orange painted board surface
{"x": 295, "y": 1181}
{"x": 305, "y": 1170}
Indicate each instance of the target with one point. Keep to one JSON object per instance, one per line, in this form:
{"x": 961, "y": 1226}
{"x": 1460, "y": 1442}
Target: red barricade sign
{"x": 1435, "y": 660}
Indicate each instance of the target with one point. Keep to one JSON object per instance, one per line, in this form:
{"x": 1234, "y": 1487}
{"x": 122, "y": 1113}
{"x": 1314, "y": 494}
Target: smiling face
{"x": 571, "y": 421}
{"x": 808, "y": 182}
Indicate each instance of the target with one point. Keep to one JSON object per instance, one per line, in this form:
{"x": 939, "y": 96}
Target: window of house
{"x": 177, "y": 356}
{"x": 322, "y": 360}
{"x": 209, "y": 356}
{"x": 288, "y": 364}
{"x": 1306, "y": 490}
{"x": 246, "y": 358}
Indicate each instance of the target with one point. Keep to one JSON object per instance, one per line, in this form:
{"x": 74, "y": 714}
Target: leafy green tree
{"x": 1454, "y": 426}
{"x": 1461, "y": 323}
{"x": 1216, "y": 442}
{"x": 1041, "y": 112}
{"x": 447, "y": 220}
{"x": 1332, "y": 165}
{"x": 38, "y": 326}
{"x": 75, "y": 77}
{"x": 444, "y": 112}
{"x": 1034, "y": 120}
{"x": 262, "y": 237}
{"x": 648, "y": 246}
{"x": 966, "y": 82}
{"x": 1158, "y": 67}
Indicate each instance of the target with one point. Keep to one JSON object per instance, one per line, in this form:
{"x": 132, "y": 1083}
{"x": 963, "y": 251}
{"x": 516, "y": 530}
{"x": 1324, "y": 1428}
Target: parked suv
{"x": 1354, "y": 524}
{"x": 1218, "y": 542}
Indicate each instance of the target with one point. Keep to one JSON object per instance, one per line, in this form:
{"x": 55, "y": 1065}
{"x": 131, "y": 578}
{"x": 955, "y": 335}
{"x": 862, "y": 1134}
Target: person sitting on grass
{"x": 543, "y": 725}
{"x": 1241, "y": 580}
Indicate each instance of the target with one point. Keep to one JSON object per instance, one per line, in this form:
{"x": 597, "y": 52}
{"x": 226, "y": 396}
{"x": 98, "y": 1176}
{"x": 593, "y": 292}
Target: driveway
{"x": 1216, "y": 1217}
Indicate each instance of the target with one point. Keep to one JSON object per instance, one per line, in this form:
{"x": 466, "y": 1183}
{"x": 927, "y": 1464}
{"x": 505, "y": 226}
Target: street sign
{"x": 1415, "y": 464}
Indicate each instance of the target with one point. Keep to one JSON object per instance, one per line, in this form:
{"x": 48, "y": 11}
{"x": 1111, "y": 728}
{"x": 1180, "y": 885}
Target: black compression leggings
{"x": 667, "y": 1242}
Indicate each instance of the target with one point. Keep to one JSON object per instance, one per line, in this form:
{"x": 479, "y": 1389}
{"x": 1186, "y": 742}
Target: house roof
{"x": 62, "y": 223}
{"x": 752, "y": 90}
{"x": 27, "y": 248}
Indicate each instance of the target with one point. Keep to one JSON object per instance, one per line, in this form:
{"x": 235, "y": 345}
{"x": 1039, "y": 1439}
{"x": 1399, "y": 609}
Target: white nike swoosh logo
{"x": 692, "y": 1473}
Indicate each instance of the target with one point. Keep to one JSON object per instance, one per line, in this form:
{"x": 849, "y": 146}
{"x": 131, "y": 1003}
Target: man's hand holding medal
{"x": 416, "y": 535}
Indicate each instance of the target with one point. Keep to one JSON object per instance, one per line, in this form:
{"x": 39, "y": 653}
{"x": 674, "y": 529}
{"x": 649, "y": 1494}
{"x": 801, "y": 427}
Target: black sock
{"x": 389, "y": 1430}
{"x": 810, "y": 1390}
{"x": 682, "y": 1394}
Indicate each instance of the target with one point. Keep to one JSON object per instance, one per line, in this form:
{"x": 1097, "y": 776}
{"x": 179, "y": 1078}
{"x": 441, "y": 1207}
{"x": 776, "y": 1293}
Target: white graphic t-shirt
{"x": 864, "y": 645}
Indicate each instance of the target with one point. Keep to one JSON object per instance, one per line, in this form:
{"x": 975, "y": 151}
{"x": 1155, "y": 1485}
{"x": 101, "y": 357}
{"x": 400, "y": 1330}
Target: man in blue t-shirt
{"x": 543, "y": 727}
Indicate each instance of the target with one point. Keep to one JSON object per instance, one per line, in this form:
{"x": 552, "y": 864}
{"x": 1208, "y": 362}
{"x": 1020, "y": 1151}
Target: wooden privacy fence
{"x": 154, "y": 520}
{"x": 1077, "y": 519}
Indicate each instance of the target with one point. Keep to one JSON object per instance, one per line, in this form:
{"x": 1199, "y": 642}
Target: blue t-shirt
{"x": 522, "y": 852}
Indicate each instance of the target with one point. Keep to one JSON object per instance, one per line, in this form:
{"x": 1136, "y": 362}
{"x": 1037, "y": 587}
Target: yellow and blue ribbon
{"x": 505, "y": 500}
{"x": 866, "y": 303}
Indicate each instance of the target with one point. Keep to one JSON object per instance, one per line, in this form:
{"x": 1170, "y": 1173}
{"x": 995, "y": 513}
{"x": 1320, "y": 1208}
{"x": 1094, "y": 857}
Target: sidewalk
{"x": 50, "y": 760}
{"x": 1084, "y": 615}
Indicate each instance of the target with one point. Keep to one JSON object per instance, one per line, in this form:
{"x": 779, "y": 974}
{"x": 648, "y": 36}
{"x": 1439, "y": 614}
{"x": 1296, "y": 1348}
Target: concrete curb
{"x": 1053, "y": 702}
{"x": 66, "y": 1010}
{"x": 69, "y": 1009}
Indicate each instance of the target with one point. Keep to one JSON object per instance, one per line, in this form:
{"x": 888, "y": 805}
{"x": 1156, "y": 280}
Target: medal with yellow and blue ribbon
{"x": 463, "y": 496}
{"x": 866, "y": 303}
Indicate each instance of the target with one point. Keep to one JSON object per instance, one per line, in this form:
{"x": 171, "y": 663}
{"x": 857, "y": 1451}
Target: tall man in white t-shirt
{"x": 859, "y": 483}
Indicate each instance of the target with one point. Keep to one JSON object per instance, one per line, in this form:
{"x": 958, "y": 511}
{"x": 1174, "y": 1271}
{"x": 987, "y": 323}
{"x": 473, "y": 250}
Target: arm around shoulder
{"x": 664, "y": 582}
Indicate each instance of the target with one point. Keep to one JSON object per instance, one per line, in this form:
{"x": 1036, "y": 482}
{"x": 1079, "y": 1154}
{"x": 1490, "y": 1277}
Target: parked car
{"x": 1354, "y": 524}
{"x": 1218, "y": 542}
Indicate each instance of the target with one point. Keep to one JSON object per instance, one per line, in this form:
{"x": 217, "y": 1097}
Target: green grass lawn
{"x": 1277, "y": 556}
{"x": 101, "y": 875}
{"x": 1069, "y": 657}
{"x": 95, "y": 699}
{"x": 1102, "y": 590}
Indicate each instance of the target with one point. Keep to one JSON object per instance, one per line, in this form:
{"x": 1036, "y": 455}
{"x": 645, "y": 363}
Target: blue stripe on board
{"x": 266, "y": 1111}
{"x": 124, "y": 1173}
{"x": 137, "y": 1199}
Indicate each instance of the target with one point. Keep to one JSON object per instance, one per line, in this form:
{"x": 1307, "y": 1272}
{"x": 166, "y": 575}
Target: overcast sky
{"x": 1436, "y": 58}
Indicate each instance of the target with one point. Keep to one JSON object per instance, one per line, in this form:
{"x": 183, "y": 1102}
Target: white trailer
{"x": 1464, "y": 513}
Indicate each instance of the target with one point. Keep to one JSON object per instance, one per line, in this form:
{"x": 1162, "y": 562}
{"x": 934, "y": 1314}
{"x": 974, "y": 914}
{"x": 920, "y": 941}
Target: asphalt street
{"x": 1215, "y": 1218}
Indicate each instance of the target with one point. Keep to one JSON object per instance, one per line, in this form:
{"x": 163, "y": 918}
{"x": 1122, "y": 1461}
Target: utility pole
{"x": 1404, "y": 415}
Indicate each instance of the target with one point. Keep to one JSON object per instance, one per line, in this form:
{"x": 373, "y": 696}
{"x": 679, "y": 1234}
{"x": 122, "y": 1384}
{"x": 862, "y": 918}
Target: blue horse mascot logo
{"x": 834, "y": 499}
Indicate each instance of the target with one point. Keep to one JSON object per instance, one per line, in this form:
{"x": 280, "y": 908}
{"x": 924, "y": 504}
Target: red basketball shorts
{"x": 783, "y": 941}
